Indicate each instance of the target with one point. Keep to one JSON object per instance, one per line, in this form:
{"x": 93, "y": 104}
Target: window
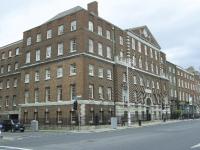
{"x": 48, "y": 52}
{"x": 108, "y": 50}
{"x": 7, "y": 101}
{"x": 152, "y": 68}
{"x": 73, "y": 25}
{"x": 121, "y": 41}
{"x": 28, "y": 41}
{"x": 8, "y": 84}
{"x": 100, "y": 92}
{"x": 60, "y": 29}
{"x": 158, "y": 87}
{"x": 60, "y": 49}
{"x": 141, "y": 81}
{"x": 153, "y": 84}
{"x": 109, "y": 93}
{"x": 100, "y": 72}
{"x": 2, "y": 69}
{"x": 59, "y": 93}
{"x": 156, "y": 69}
{"x": 91, "y": 70}
{"x": 16, "y": 65}
{"x": 59, "y": 116}
{"x": 91, "y": 46}
{"x": 1, "y": 85}
{"x": 27, "y": 78}
{"x": 28, "y": 57}
{"x": 36, "y": 95}
{"x": 124, "y": 77}
{"x": 91, "y": 91}
{"x": 17, "y": 51}
{"x": 9, "y": 67}
{"x": 146, "y": 65}
{"x": 26, "y": 96}
{"x": 73, "y": 69}
{"x": 133, "y": 43}
{"x": 156, "y": 55}
{"x": 73, "y": 45}
{"x": 108, "y": 35}
{"x": 134, "y": 61}
{"x": 100, "y": 31}
{"x": 59, "y": 72}
{"x": 37, "y": 76}
{"x": 10, "y": 53}
{"x": 47, "y": 74}
{"x": 151, "y": 53}
{"x": 39, "y": 38}
{"x": 100, "y": 49}
{"x": 3, "y": 56}
{"x": 73, "y": 91}
{"x": 47, "y": 94}
{"x": 46, "y": 116}
{"x": 139, "y": 47}
{"x": 148, "y": 83}
{"x": 109, "y": 74}
{"x": 134, "y": 80}
{"x": 49, "y": 34}
{"x": 140, "y": 62}
{"x": 90, "y": 26}
{"x": 15, "y": 83}
{"x": 145, "y": 49}
{"x": 37, "y": 55}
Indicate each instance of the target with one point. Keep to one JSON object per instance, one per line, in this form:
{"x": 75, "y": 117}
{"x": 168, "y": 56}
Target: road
{"x": 184, "y": 135}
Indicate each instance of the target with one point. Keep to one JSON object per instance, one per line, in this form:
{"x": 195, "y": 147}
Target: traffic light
{"x": 75, "y": 104}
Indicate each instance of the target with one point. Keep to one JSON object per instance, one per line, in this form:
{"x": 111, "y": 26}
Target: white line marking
{"x": 195, "y": 146}
{"x": 15, "y": 148}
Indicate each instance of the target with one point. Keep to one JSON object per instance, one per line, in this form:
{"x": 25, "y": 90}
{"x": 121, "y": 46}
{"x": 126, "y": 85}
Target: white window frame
{"x": 47, "y": 74}
{"x": 73, "y": 25}
{"x": 60, "y": 29}
{"x": 90, "y": 26}
{"x": 73, "y": 69}
{"x": 108, "y": 52}
{"x": 59, "y": 72}
{"x": 28, "y": 57}
{"x": 28, "y": 41}
{"x": 27, "y": 78}
{"x": 100, "y": 91}
{"x": 49, "y": 34}
{"x": 73, "y": 47}
{"x": 100, "y": 49}
{"x": 37, "y": 55}
{"x": 15, "y": 83}
{"x": 91, "y": 70}
{"x": 109, "y": 74}
{"x": 109, "y": 93}
{"x": 100, "y": 72}
{"x": 60, "y": 49}
{"x": 17, "y": 51}
{"x": 91, "y": 46}
{"x": 100, "y": 30}
{"x": 108, "y": 35}
{"x": 48, "y": 52}
{"x": 37, "y": 76}
{"x": 39, "y": 37}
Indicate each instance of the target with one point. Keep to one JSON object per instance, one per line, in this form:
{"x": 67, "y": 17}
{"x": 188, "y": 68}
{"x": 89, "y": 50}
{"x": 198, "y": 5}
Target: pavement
{"x": 170, "y": 135}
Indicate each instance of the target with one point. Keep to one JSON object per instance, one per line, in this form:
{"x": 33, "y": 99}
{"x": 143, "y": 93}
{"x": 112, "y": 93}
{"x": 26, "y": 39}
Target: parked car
{"x": 12, "y": 125}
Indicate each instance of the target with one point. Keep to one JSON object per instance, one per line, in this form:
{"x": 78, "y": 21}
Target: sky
{"x": 174, "y": 23}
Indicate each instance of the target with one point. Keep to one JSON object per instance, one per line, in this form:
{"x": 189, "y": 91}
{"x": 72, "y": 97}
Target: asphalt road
{"x": 183, "y": 135}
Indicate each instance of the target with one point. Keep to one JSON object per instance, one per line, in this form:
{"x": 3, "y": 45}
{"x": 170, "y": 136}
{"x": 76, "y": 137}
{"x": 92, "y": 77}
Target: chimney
{"x": 93, "y": 7}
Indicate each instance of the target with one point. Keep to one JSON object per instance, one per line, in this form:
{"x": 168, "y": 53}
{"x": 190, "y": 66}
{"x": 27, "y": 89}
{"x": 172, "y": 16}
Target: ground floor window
{"x": 59, "y": 116}
{"x": 25, "y": 117}
{"x": 46, "y": 117}
{"x": 73, "y": 117}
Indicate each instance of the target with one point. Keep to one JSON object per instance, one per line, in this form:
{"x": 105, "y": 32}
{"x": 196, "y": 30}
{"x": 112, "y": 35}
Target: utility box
{"x": 114, "y": 122}
{"x": 34, "y": 125}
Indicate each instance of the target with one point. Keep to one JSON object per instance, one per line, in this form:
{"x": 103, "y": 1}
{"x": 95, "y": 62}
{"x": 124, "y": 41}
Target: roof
{"x": 11, "y": 44}
{"x": 65, "y": 13}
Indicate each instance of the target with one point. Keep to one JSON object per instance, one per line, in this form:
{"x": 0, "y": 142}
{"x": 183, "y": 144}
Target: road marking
{"x": 15, "y": 148}
{"x": 195, "y": 146}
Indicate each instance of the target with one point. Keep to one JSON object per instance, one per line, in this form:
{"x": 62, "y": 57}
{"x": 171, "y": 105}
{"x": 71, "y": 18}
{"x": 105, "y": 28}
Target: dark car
{"x": 12, "y": 125}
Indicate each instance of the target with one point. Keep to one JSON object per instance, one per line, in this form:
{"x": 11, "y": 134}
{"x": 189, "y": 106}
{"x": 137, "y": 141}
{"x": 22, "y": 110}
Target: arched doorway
{"x": 148, "y": 109}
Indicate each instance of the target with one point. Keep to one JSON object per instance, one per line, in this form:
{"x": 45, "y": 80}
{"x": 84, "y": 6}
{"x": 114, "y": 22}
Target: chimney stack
{"x": 93, "y": 7}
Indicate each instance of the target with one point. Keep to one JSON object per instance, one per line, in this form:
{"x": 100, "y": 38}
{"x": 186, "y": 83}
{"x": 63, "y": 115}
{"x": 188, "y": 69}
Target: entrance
{"x": 14, "y": 117}
{"x": 148, "y": 112}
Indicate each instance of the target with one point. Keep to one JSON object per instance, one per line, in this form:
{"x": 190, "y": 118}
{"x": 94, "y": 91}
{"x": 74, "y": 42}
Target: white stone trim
{"x": 67, "y": 103}
{"x": 141, "y": 40}
{"x": 9, "y": 74}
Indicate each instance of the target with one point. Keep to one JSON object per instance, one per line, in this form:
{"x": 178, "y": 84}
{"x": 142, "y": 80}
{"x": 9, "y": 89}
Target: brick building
{"x": 77, "y": 55}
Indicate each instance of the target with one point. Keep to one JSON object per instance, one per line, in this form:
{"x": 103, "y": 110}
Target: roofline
{"x": 11, "y": 44}
{"x": 179, "y": 67}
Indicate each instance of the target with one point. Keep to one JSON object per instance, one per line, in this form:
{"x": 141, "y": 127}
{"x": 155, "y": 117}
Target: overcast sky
{"x": 174, "y": 23}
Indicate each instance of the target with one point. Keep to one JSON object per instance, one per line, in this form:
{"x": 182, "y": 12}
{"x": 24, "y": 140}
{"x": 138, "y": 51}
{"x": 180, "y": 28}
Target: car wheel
{"x": 22, "y": 130}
